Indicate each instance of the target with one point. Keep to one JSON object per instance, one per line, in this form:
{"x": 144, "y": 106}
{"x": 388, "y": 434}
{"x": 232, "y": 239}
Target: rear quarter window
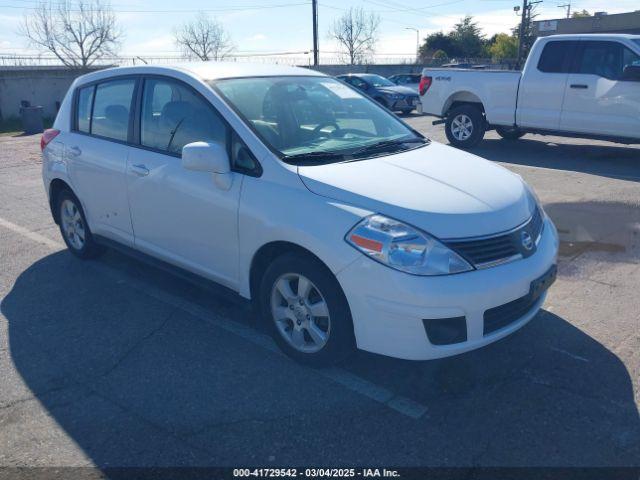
{"x": 556, "y": 57}
{"x": 83, "y": 106}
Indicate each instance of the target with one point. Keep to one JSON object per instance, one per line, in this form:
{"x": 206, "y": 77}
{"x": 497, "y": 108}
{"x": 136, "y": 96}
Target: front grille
{"x": 486, "y": 251}
{"x": 502, "y": 316}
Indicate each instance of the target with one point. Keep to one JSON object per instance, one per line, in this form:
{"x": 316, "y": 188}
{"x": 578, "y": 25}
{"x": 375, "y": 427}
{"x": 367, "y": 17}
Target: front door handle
{"x": 140, "y": 170}
{"x": 581, "y": 86}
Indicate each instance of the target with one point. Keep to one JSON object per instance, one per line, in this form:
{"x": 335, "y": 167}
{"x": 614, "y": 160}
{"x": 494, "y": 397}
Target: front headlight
{"x": 404, "y": 248}
{"x": 393, "y": 96}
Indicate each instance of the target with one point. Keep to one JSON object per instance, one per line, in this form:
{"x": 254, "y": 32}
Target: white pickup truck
{"x": 571, "y": 85}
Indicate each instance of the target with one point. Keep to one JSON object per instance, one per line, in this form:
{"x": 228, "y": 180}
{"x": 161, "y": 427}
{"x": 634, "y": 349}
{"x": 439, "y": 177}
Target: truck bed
{"x": 497, "y": 88}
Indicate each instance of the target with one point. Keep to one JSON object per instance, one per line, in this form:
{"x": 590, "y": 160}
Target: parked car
{"x": 394, "y": 97}
{"x": 409, "y": 80}
{"x": 571, "y": 85}
{"x": 344, "y": 226}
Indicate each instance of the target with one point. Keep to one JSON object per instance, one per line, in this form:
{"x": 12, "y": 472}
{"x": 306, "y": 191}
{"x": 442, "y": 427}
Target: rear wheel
{"x": 465, "y": 126}
{"x": 74, "y": 228}
{"x": 306, "y": 310}
{"x": 509, "y": 133}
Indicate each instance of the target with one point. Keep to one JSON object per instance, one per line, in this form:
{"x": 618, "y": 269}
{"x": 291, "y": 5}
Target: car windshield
{"x": 314, "y": 120}
{"x": 637, "y": 40}
{"x": 378, "y": 81}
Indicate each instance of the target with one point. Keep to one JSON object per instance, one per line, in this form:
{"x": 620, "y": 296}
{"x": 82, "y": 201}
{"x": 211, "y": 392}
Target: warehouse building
{"x": 600, "y": 22}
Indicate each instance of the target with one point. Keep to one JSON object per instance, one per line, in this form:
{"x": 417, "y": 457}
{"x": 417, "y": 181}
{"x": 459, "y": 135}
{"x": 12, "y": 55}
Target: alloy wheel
{"x": 300, "y": 313}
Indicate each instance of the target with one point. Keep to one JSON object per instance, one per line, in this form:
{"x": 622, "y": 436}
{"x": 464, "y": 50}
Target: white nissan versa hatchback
{"x": 343, "y": 225}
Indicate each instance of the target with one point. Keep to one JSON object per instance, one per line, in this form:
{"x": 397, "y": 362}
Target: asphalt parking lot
{"x": 115, "y": 363}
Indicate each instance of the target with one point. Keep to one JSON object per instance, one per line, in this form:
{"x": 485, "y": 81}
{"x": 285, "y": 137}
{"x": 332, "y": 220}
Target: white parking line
{"x": 353, "y": 382}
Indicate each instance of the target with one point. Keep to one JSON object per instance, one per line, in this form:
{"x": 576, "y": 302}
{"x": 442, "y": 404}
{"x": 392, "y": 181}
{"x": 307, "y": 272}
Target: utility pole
{"x": 523, "y": 20}
{"x": 568, "y": 7}
{"x": 314, "y": 8}
{"x": 417, "y": 41}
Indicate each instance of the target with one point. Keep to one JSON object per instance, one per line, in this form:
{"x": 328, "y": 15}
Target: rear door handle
{"x": 140, "y": 170}
{"x": 75, "y": 151}
{"x": 579, "y": 85}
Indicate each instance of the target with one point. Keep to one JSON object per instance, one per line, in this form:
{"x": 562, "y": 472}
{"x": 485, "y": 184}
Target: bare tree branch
{"x": 356, "y": 33}
{"x": 204, "y": 38}
{"x": 78, "y": 32}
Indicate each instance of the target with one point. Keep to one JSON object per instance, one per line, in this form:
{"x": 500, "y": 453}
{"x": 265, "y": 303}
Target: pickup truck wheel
{"x": 465, "y": 126}
{"x": 509, "y": 133}
{"x": 306, "y": 311}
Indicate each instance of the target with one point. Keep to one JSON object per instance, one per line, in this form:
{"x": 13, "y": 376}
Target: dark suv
{"x": 395, "y": 97}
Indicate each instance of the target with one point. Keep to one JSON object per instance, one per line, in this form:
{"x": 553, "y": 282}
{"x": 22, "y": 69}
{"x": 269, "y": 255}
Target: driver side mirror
{"x": 209, "y": 157}
{"x": 631, "y": 73}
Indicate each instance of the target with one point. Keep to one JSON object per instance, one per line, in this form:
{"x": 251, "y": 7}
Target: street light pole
{"x": 417, "y": 41}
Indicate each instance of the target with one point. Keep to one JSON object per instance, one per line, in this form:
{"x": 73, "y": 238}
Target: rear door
{"x": 542, "y": 87}
{"x": 97, "y": 151}
{"x": 598, "y": 99}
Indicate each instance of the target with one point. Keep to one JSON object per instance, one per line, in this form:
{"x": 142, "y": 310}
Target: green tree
{"x": 468, "y": 37}
{"x": 582, "y": 14}
{"x": 438, "y": 42}
{"x": 440, "y": 55}
{"x": 504, "y": 47}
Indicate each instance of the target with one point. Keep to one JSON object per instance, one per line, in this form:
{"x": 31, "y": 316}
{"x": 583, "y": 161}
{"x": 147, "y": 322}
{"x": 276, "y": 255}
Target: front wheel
{"x": 465, "y": 126}
{"x": 306, "y": 310}
{"x": 510, "y": 133}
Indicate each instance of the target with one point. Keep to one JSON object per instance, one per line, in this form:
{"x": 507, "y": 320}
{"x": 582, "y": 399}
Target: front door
{"x": 598, "y": 100}
{"x": 184, "y": 217}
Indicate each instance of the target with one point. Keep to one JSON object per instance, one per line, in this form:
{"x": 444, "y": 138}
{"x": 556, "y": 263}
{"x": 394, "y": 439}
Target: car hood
{"x": 398, "y": 89}
{"x": 444, "y": 191}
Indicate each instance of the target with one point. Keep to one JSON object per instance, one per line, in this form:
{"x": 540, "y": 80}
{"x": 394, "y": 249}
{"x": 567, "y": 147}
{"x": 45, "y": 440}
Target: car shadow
{"x": 584, "y": 156}
{"x": 134, "y": 382}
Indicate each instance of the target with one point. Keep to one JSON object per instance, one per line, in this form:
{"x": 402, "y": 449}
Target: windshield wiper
{"x": 387, "y": 144}
{"x": 310, "y": 156}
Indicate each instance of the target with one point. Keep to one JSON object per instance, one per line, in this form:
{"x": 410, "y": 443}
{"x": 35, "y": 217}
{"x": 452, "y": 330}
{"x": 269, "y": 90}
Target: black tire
{"x": 465, "y": 113}
{"x": 407, "y": 111}
{"x": 341, "y": 342}
{"x": 89, "y": 249}
{"x": 510, "y": 133}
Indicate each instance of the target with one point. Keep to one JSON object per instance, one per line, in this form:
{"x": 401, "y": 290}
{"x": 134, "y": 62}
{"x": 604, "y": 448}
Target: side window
{"x": 111, "y": 109}
{"x": 242, "y": 160}
{"x": 83, "y": 112}
{"x": 173, "y": 115}
{"x": 629, "y": 58}
{"x": 601, "y": 58}
{"x": 555, "y": 57}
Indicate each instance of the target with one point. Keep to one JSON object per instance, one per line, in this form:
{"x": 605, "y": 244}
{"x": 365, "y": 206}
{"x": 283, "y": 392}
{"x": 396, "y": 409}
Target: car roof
{"x": 209, "y": 70}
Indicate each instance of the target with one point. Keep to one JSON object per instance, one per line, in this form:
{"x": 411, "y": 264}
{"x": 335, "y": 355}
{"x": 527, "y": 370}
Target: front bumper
{"x": 405, "y": 103}
{"x": 388, "y": 307}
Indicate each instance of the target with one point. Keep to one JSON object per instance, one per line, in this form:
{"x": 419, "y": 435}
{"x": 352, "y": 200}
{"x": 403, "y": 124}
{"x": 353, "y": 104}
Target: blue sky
{"x": 285, "y": 25}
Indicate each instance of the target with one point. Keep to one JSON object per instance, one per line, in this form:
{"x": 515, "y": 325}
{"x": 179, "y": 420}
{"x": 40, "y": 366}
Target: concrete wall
{"x": 384, "y": 70}
{"x": 42, "y": 86}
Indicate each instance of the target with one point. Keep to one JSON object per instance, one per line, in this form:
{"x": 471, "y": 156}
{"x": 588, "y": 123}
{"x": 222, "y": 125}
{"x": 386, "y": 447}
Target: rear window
{"x": 556, "y": 57}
